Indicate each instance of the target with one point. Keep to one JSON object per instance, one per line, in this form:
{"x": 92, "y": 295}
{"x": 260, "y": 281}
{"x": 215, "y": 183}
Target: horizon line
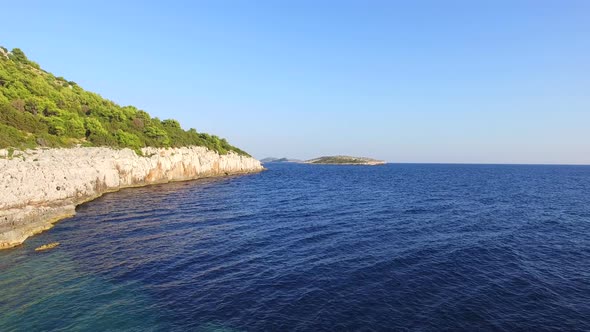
{"x": 459, "y": 163}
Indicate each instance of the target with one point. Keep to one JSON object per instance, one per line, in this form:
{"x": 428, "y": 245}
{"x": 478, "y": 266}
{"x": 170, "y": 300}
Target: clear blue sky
{"x": 405, "y": 81}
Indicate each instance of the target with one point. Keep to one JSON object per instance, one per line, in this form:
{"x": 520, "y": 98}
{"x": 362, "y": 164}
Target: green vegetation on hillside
{"x": 39, "y": 109}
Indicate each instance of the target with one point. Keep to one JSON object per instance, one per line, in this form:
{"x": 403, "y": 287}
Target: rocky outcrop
{"x": 39, "y": 187}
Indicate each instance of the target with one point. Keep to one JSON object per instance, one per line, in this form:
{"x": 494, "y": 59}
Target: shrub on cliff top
{"x": 36, "y": 106}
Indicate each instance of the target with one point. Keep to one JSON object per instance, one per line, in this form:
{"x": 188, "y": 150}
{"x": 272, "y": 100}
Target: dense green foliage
{"x": 39, "y": 109}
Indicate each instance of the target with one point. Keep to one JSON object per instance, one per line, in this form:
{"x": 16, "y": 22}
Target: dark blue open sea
{"x": 317, "y": 248}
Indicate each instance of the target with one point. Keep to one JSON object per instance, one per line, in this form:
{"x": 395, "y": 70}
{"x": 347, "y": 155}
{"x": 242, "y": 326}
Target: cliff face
{"x": 39, "y": 187}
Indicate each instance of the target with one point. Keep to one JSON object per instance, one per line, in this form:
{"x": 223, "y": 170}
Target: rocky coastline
{"x": 41, "y": 186}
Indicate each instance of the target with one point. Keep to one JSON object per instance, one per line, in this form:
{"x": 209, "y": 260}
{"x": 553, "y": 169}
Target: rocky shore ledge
{"x": 39, "y": 187}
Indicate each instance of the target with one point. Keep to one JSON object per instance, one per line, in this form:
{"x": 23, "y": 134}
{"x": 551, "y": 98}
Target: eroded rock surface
{"x": 39, "y": 187}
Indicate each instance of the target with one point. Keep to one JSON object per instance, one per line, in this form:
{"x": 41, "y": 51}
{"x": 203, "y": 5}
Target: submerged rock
{"x": 47, "y": 246}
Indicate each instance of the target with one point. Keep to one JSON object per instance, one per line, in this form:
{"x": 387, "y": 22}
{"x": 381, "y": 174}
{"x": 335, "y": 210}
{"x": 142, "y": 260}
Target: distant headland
{"x": 280, "y": 160}
{"x": 345, "y": 160}
{"x": 327, "y": 160}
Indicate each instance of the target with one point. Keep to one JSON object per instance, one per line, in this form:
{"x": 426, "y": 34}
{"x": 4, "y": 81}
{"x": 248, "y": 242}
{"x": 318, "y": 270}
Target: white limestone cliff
{"x": 39, "y": 187}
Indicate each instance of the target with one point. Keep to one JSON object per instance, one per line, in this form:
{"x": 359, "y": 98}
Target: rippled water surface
{"x": 311, "y": 247}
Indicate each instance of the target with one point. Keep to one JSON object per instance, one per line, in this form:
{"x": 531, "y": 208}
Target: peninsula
{"x": 345, "y": 160}
{"x": 61, "y": 146}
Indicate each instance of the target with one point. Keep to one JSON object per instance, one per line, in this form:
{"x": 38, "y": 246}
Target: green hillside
{"x": 39, "y": 109}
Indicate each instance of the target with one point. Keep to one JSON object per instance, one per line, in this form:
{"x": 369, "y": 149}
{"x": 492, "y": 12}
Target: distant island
{"x": 280, "y": 160}
{"x": 327, "y": 160}
{"x": 345, "y": 160}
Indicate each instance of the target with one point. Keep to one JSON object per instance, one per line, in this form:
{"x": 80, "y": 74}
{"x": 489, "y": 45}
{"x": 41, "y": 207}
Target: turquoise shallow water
{"x": 302, "y": 247}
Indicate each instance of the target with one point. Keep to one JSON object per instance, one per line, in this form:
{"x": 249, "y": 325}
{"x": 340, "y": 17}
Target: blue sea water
{"x": 317, "y": 248}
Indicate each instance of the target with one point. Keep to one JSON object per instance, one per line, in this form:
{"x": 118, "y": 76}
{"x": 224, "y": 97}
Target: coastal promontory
{"x": 61, "y": 146}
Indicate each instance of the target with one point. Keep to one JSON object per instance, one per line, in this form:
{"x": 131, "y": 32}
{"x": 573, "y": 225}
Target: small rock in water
{"x": 47, "y": 246}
